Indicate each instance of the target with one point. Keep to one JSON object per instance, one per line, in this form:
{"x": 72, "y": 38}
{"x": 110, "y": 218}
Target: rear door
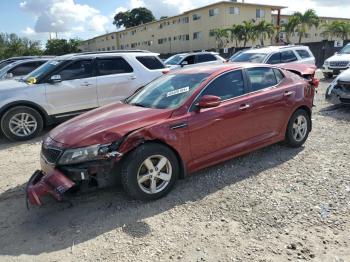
{"x": 116, "y": 79}
{"x": 76, "y": 91}
{"x": 150, "y": 68}
{"x": 206, "y": 59}
{"x": 271, "y": 101}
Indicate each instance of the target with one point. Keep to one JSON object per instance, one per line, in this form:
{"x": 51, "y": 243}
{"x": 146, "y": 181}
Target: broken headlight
{"x": 84, "y": 154}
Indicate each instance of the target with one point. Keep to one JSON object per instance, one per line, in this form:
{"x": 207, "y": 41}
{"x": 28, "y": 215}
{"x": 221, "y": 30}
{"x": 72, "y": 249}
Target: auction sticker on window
{"x": 178, "y": 91}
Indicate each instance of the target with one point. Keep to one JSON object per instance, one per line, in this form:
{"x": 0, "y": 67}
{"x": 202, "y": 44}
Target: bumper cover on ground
{"x": 39, "y": 185}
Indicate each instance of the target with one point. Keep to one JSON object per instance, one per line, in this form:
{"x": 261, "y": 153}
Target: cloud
{"x": 28, "y": 31}
{"x": 63, "y": 15}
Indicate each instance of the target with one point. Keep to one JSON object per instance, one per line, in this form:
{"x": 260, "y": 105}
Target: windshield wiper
{"x": 138, "y": 104}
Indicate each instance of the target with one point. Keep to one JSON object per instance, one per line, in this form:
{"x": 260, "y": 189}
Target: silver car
{"x": 338, "y": 91}
{"x": 193, "y": 59}
{"x": 21, "y": 68}
{"x": 70, "y": 85}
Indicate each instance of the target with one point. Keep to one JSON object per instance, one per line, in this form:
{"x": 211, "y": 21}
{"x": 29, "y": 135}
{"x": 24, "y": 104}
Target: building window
{"x": 108, "y": 48}
{"x": 196, "y": 17}
{"x": 185, "y": 20}
{"x": 260, "y": 13}
{"x": 112, "y": 36}
{"x": 211, "y": 33}
{"x": 197, "y": 35}
{"x": 234, "y": 10}
{"x": 213, "y": 12}
{"x": 113, "y": 47}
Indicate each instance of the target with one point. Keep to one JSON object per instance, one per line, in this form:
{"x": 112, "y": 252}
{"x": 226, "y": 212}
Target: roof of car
{"x": 106, "y": 54}
{"x": 271, "y": 49}
{"x": 210, "y": 69}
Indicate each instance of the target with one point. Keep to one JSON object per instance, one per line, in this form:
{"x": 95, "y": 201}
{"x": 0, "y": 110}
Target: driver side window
{"x": 77, "y": 70}
{"x": 190, "y": 59}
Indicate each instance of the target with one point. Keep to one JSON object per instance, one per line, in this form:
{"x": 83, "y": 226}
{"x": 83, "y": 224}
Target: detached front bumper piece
{"x": 40, "y": 185}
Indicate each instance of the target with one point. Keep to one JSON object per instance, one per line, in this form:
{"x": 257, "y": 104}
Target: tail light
{"x": 315, "y": 82}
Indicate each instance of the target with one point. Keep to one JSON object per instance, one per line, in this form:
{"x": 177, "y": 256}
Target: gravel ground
{"x": 276, "y": 204}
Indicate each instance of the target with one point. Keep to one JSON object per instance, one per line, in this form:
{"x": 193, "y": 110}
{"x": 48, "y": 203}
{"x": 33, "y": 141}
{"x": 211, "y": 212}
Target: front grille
{"x": 50, "y": 154}
{"x": 339, "y": 64}
{"x": 345, "y": 100}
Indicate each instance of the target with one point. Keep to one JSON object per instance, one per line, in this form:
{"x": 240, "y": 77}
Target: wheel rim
{"x": 154, "y": 174}
{"x": 23, "y": 124}
{"x": 300, "y": 128}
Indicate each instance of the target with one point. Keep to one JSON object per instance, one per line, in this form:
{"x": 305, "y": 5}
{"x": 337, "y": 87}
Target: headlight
{"x": 84, "y": 154}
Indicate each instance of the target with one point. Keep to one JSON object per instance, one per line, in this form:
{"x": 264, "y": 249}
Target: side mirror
{"x": 183, "y": 63}
{"x": 336, "y": 53}
{"x": 55, "y": 79}
{"x": 8, "y": 76}
{"x": 209, "y": 101}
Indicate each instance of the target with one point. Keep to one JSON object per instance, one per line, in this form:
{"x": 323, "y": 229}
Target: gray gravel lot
{"x": 276, "y": 204}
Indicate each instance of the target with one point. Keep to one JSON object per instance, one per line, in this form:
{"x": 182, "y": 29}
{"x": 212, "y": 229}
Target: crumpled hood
{"x": 106, "y": 124}
{"x": 11, "y": 85}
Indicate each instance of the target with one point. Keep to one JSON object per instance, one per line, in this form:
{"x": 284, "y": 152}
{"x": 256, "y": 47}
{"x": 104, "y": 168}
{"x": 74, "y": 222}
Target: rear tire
{"x": 298, "y": 129}
{"x": 327, "y": 75}
{"x": 21, "y": 123}
{"x": 149, "y": 172}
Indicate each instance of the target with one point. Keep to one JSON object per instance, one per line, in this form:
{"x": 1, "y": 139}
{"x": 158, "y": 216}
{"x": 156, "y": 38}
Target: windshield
{"x": 345, "y": 50}
{"x": 169, "y": 91}
{"x": 249, "y": 57}
{"x": 174, "y": 60}
{"x": 42, "y": 70}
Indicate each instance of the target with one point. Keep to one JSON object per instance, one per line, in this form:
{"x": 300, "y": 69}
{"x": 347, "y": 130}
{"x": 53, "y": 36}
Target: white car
{"x": 277, "y": 55}
{"x": 71, "y": 84}
{"x": 193, "y": 59}
{"x": 337, "y": 63}
{"x": 21, "y": 68}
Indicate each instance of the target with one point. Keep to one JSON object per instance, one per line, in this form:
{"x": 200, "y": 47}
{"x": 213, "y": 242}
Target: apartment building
{"x": 313, "y": 34}
{"x": 189, "y": 31}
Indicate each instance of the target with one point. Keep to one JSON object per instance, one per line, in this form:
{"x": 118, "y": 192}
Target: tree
{"x": 264, "y": 30}
{"x": 337, "y": 29}
{"x": 249, "y": 32}
{"x": 290, "y": 27}
{"x": 221, "y": 36}
{"x": 135, "y": 17}
{"x": 62, "y": 46}
{"x": 13, "y": 45}
{"x": 236, "y": 34}
{"x": 305, "y": 21}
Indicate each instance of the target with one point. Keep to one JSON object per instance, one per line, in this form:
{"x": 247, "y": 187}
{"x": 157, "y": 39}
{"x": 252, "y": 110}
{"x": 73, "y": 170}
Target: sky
{"x": 88, "y": 18}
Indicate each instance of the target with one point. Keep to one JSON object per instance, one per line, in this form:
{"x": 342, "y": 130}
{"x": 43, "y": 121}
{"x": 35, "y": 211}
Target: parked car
{"x": 5, "y": 62}
{"x": 182, "y": 122}
{"x": 277, "y": 55}
{"x": 21, "y": 68}
{"x": 338, "y": 91}
{"x": 193, "y": 59}
{"x": 69, "y": 85}
{"x": 337, "y": 63}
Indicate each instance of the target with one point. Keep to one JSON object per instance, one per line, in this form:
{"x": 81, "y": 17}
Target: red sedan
{"x": 182, "y": 122}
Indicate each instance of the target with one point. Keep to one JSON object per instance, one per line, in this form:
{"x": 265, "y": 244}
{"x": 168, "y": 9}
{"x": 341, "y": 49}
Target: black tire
{"x": 5, "y": 123}
{"x": 134, "y": 161}
{"x": 327, "y": 75}
{"x": 290, "y": 140}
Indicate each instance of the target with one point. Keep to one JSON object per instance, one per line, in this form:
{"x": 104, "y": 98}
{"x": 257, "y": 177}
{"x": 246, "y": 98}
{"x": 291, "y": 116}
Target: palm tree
{"x": 337, "y": 29}
{"x": 264, "y": 30}
{"x": 248, "y": 32}
{"x": 305, "y": 21}
{"x": 290, "y": 27}
{"x": 221, "y": 36}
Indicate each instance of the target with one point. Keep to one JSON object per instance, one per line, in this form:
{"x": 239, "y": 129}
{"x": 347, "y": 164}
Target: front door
{"x": 76, "y": 91}
{"x": 215, "y": 132}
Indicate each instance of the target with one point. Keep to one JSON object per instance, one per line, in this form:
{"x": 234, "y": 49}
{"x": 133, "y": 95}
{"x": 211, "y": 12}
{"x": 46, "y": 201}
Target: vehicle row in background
{"x": 193, "y": 59}
{"x": 338, "y": 91}
{"x": 21, "y": 68}
{"x": 337, "y": 63}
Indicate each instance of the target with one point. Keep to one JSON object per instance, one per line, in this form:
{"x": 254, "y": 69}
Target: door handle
{"x": 86, "y": 84}
{"x": 132, "y": 77}
{"x": 288, "y": 93}
{"x": 244, "y": 107}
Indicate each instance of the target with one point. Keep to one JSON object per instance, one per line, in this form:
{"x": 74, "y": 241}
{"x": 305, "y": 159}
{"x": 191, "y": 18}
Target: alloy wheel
{"x": 23, "y": 124}
{"x": 300, "y": 128}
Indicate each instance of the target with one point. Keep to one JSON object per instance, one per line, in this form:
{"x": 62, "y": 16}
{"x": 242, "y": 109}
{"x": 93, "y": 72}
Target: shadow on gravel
{"x": 339, "y": 112}
{"x": 57, "y": 226}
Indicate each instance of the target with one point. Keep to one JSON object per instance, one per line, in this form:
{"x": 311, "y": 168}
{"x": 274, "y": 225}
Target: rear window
{"x": 279, "y": 75}
{"x": 150, "y": 62}
{"x": 303, "y": 53}
{"x": 288, "y": 56}
{"x": 261, "y": 77}
{"x": 205, "y": 58}
{"x": 112, "y": 66}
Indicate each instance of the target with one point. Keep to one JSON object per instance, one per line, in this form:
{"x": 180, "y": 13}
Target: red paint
{"x": 211, "y": 135}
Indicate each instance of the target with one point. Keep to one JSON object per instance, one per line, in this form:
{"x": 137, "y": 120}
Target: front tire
{"x": 149, "y": 172}
{"x": 21, "y": 123}
{"x": 299, "y": 127}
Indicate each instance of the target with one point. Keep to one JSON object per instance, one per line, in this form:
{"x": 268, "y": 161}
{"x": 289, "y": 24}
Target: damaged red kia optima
{"x": 180, "y": 123}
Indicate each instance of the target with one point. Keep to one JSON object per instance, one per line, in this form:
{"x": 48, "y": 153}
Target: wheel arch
{"x": 306, "y": 109}
{"x": 46, "y": 118}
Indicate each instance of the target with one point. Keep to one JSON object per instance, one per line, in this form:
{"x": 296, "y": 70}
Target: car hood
{"x": 105, "y": 125}
{"x": 344, "y": 76}
{"x": 339, "y": 57}
{"x": 11, "y": 84}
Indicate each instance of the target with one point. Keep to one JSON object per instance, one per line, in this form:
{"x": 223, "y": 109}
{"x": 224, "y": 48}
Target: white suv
{"x": 276, "y": 55}
{"x": 72, "y": 84}
{"x": 337, "y": 63}
{"x": 193, "y": 59}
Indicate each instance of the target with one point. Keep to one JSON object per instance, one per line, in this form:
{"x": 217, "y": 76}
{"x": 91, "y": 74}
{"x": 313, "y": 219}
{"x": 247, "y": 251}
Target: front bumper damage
{"x": 338, "y": 93}
{"x": 40, "y": 185}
